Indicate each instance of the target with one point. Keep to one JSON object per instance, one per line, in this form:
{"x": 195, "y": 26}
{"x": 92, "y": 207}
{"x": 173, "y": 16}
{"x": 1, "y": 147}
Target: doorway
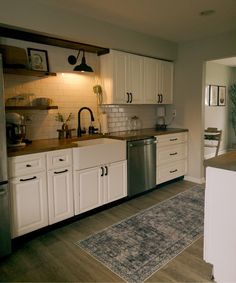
{"x": 220, "y": 75}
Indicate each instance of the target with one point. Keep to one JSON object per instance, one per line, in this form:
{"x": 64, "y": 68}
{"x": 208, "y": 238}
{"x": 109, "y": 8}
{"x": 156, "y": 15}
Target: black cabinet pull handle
{"x": 175, "y": 139}
{"x": 61, "y": 159}
{"x": 59, "y": 172}
{"x": 127, "y": 97}
{"x": 28, "y": 165}
{"x": 173, "y": 171}
{"x": 174, "y": 153}
{"x": 102, "y": 171}
{"x": 161, "y": 96}
{"x": 131, "y": 95}
{"x": 106, "y": 172}
{"x": 24, "y": 180}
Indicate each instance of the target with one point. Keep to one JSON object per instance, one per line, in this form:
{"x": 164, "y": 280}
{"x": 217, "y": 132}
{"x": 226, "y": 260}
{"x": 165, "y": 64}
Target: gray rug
{"x": 138, "y": 246}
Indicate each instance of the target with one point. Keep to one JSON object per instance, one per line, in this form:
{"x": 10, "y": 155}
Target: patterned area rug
{"x": 138, "y": 246}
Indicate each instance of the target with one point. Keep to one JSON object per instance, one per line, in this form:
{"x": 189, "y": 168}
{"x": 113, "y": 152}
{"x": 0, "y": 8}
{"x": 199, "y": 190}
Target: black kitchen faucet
{"x": 79, "y": 131}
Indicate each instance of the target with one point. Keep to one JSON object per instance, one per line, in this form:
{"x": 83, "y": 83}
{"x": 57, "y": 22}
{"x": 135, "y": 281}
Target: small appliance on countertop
{"x": 15, "y": 129}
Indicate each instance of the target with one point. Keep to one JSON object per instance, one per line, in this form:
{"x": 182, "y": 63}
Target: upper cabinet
{"x": 121, "y": 75}
{"x": 158, "y": 81}
{"x": 133, "y": 79}
{"x": 165, "y": 82}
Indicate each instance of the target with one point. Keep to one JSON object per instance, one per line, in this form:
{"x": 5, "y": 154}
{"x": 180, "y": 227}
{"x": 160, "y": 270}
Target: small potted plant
{"x": 62, "y": 118}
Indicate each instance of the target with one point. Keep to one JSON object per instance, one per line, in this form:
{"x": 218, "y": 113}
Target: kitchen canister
{"x": 135, "y": 123}
{"x": 104, "y": 123}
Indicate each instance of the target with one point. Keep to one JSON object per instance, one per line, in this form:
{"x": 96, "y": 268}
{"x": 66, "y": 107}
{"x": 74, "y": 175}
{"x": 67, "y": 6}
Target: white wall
{"x": 189, "y": 91}
{"x": 218, "y": 116}
{"x": 39, "y": 16}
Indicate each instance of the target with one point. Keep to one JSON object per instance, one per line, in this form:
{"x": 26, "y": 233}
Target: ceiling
{"x": 231, "y": 62}
{"x": 174, "y": 20}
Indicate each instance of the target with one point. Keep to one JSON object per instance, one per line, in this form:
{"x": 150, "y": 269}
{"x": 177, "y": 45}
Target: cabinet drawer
{"x": 172, "y": 153}
{"x": 59, "y": 158}
{"x": 171, "y": 139}
{"x": 27, "y": 164}
{"x": 171, "y": 171}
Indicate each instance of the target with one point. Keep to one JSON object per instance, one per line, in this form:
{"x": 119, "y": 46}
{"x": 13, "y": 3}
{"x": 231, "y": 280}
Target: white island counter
{"x": 220, "y": 216}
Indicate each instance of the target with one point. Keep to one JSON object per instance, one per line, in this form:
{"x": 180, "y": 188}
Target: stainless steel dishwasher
{"x": 141, "y": 158}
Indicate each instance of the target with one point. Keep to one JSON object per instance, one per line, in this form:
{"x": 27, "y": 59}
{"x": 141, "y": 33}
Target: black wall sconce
{"x": 82, "y": 67}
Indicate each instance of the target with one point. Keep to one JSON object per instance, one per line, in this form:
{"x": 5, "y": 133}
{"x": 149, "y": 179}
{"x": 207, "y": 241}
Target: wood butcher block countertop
{"x": 225, "y": 161}
{"x": 55, "y": 144}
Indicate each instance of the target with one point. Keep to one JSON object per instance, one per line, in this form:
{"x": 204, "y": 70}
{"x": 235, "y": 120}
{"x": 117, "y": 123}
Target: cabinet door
{"x": 29, "y": 203}
{"x": 87, "y": 189}
{"x": 134, "y": 78}
{"x": 150, "y": 81}
{"x": 116, "y": 187}
{"x": 119, "y": 78}
{"x": 122, "y": 78}
{"x": 60, "y": 195}
{"x": 165, "y": 82}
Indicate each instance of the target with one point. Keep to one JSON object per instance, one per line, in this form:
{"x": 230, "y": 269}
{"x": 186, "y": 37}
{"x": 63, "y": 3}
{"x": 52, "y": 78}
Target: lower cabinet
{"x": 172, "y": 152}
{"x": 115, "y": 181}
{"x": 60, "y": 194}
{"x": 29, "y": 202}
{"x": 99, "y": 185}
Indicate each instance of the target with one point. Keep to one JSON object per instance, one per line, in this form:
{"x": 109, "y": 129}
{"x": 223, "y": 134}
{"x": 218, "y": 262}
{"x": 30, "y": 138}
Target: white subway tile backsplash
{"x": 71, "y": 92}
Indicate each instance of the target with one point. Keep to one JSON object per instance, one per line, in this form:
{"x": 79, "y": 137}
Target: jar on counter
{"x": 135, "y": 123}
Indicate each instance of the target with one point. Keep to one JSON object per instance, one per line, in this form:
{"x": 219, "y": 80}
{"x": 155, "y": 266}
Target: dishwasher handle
{"x": 142, "y": 142}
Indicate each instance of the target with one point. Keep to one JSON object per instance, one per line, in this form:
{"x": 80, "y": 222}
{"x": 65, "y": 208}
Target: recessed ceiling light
{"x": 207, "y": 12}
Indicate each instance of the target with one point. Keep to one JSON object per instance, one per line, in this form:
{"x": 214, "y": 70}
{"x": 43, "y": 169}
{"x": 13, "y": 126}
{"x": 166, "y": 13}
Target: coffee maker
{"x": 15, "y": 129}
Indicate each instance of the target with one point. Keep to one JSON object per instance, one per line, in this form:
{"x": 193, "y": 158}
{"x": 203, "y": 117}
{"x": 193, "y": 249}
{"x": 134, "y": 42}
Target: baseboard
{"x": 194, "y": 180}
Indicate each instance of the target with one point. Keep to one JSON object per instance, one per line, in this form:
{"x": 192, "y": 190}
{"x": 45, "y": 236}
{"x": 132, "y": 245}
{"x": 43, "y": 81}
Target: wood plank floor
{"x": 53, "y": 256}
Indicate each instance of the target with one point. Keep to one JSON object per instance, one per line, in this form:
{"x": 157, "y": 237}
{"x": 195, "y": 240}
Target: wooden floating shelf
{"x": 39, "y": 107}
{"x": 26, "y": 72}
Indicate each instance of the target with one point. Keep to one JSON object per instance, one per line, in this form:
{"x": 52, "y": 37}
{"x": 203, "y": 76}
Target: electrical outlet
{"x": 174, "y": 113}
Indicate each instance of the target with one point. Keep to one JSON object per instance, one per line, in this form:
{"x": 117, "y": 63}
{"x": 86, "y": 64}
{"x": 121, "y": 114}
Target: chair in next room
{"x": 212, "y": 138}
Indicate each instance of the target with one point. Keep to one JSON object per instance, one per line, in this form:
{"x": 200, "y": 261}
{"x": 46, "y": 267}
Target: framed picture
{"x": 222, "y": 96}
{"x": 207, "y": 95}
{"x": 38, "y": 59}
{"x": 213, "y": 95}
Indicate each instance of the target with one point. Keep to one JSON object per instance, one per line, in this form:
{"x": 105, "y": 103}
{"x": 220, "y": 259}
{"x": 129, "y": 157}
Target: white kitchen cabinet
{"x": 29, "y": 203}
{"x": 26, "y": 164}
{"x": 150, "y": 81}
{"x": 165, "y": 82}
{"x": 158, "y": 81}
{"x": 59, "y": 158}
{"x": 60, "y": 185}
{"x": 115, "y": 181}
{"x": 87, "y": 189}
{"x": 122, "y": 76}
{"x": 99, "y": 185}
{"x": 171, "y": 156}
{"x": 112, "y": 71}
{"x": 133, "y": 79}
{"x": 39, "y": 196}
{"x": 28, "y": 191}
{"x": 60, "y": 194}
